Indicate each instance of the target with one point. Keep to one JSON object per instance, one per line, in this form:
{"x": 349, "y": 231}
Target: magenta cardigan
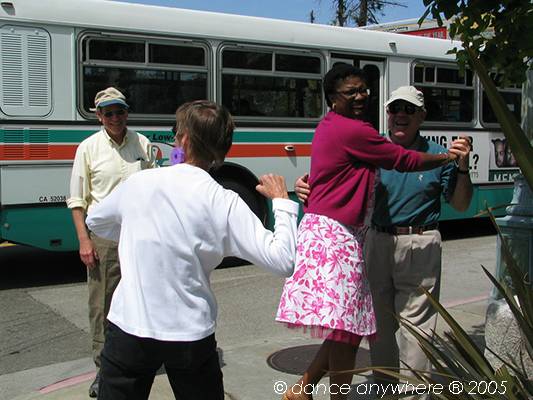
{"x": 344, "y": 156}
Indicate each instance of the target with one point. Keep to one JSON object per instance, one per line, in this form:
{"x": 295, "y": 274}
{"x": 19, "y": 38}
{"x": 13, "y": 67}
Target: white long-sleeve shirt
{"x": 174, "y": 225}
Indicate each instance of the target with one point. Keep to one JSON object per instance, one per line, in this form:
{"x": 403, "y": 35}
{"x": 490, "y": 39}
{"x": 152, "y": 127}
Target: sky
{"x": 294, "y": 10}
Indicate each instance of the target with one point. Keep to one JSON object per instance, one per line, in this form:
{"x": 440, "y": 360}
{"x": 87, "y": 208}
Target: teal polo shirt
{"x": 414, "y": 198}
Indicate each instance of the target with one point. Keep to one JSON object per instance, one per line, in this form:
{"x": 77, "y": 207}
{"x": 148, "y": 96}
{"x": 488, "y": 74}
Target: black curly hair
{"x": 338, "y": 73}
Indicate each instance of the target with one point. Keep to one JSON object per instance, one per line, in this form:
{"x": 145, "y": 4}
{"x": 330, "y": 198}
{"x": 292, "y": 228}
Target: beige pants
{"x": 102, "y": 282}
{"x": 397, "y": 266}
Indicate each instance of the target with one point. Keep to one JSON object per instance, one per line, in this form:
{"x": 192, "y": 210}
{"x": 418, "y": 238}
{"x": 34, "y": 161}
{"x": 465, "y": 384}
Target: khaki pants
{"x": 397, "y": 266}
{"x": 102, "y": 282}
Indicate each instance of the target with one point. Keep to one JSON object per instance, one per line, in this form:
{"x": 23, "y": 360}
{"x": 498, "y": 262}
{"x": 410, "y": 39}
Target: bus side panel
{"x": 34, "y": 184}
{"x": 34, "y": 212}
{"x": 46, "y": 227}
{"x": 494, "y": 196}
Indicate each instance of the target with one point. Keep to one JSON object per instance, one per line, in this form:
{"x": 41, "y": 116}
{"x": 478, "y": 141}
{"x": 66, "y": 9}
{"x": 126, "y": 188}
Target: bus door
{"x": 375, "y": 71}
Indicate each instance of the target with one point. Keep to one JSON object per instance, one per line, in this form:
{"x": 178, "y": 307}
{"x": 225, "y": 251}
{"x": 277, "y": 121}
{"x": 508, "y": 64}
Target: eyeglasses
{"x": 118, "y": 113}
{"x": 363, "y": 91}
{"x": 408, "y": 109}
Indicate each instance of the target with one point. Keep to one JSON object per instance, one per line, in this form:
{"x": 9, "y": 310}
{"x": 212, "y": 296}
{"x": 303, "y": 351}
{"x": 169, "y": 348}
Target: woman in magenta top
{"x": 328, "y": 294}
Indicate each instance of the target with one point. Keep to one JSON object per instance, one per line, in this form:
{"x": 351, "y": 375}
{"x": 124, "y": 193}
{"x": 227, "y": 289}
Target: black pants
{"x": 130, "y": 363}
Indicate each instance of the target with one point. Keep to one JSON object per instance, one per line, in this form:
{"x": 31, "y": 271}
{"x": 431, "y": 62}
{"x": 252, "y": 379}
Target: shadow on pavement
{"x": 24, "y": 266}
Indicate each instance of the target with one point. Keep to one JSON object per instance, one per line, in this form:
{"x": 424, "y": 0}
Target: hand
{"x": 301, "y": 187}
{"x": 88, "y": 253}
{"x": 272, "y": 186}
{"x": 451, "y": 156}
{"x": 461, "y": 149}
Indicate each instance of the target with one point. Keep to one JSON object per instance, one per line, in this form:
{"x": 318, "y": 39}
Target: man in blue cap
{"x": 102, "y": 162}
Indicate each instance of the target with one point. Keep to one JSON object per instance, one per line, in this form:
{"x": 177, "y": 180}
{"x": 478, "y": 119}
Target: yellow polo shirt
{"x": 100, "y": 165}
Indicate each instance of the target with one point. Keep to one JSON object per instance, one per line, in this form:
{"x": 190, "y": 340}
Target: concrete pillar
{"x": 502, "y": 335}
{"x": 501, "y": 330}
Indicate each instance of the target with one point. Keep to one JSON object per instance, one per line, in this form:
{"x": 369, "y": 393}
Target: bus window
{"x": 113, "y": 50}
{"x": 179, "y": 55}
{"x": 449, "y": 97}
{"x": 292, "y": 63}
{"x": 156, "y": 78}
{"x": 271, "y": 84}
{"x": 247, "y": 60}
{"x": 512, "y": 96}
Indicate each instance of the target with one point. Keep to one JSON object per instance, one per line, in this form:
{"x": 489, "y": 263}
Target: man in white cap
{"x": 102, "y": 162}
{"x": 402, "y": 249}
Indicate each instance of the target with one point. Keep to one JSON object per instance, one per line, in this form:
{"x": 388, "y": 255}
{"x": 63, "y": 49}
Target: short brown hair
{"x": 210, "y": 129}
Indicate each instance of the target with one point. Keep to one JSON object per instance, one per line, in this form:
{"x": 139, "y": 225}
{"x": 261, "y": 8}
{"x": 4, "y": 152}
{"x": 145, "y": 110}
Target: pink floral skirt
{"x": 329, "y": 295}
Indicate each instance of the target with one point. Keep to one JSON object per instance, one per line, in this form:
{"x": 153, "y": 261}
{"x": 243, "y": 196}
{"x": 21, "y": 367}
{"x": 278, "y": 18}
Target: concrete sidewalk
{"x": 246, "y": 344}
{"x": 247, "y": 375}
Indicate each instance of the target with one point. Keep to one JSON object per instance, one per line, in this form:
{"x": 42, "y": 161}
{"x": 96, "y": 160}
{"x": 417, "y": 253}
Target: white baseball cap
{"x": 407, "y": 93}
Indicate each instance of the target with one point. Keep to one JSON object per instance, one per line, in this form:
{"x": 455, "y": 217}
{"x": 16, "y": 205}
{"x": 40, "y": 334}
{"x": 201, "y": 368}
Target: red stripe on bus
{"x": 67, "y": 152}
{"x": 63, "y": 152}
{"x": 269, "y": 150}
{"x": 33, "y": 152}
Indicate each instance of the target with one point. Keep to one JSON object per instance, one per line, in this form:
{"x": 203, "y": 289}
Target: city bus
{"x": 57, "y": 54}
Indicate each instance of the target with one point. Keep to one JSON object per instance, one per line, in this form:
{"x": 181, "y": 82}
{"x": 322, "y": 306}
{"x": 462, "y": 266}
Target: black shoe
{"x": 93, "y": 389}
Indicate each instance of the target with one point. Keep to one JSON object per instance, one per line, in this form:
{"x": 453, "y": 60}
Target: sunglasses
{"x": 118, "y": 113}
{"x": 408, "y": 109}
{"x": 355, "y": 91}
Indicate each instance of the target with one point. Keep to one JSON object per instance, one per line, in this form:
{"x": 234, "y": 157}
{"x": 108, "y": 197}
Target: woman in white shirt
{"x": 174, "y": 225}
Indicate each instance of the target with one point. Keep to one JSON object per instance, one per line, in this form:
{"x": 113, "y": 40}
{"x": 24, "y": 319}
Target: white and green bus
{"x": 57, "y": 54}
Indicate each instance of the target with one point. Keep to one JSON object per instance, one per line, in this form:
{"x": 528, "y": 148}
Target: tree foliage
{"x": 361, "y": 12}
{"x": 497, "y": 31}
